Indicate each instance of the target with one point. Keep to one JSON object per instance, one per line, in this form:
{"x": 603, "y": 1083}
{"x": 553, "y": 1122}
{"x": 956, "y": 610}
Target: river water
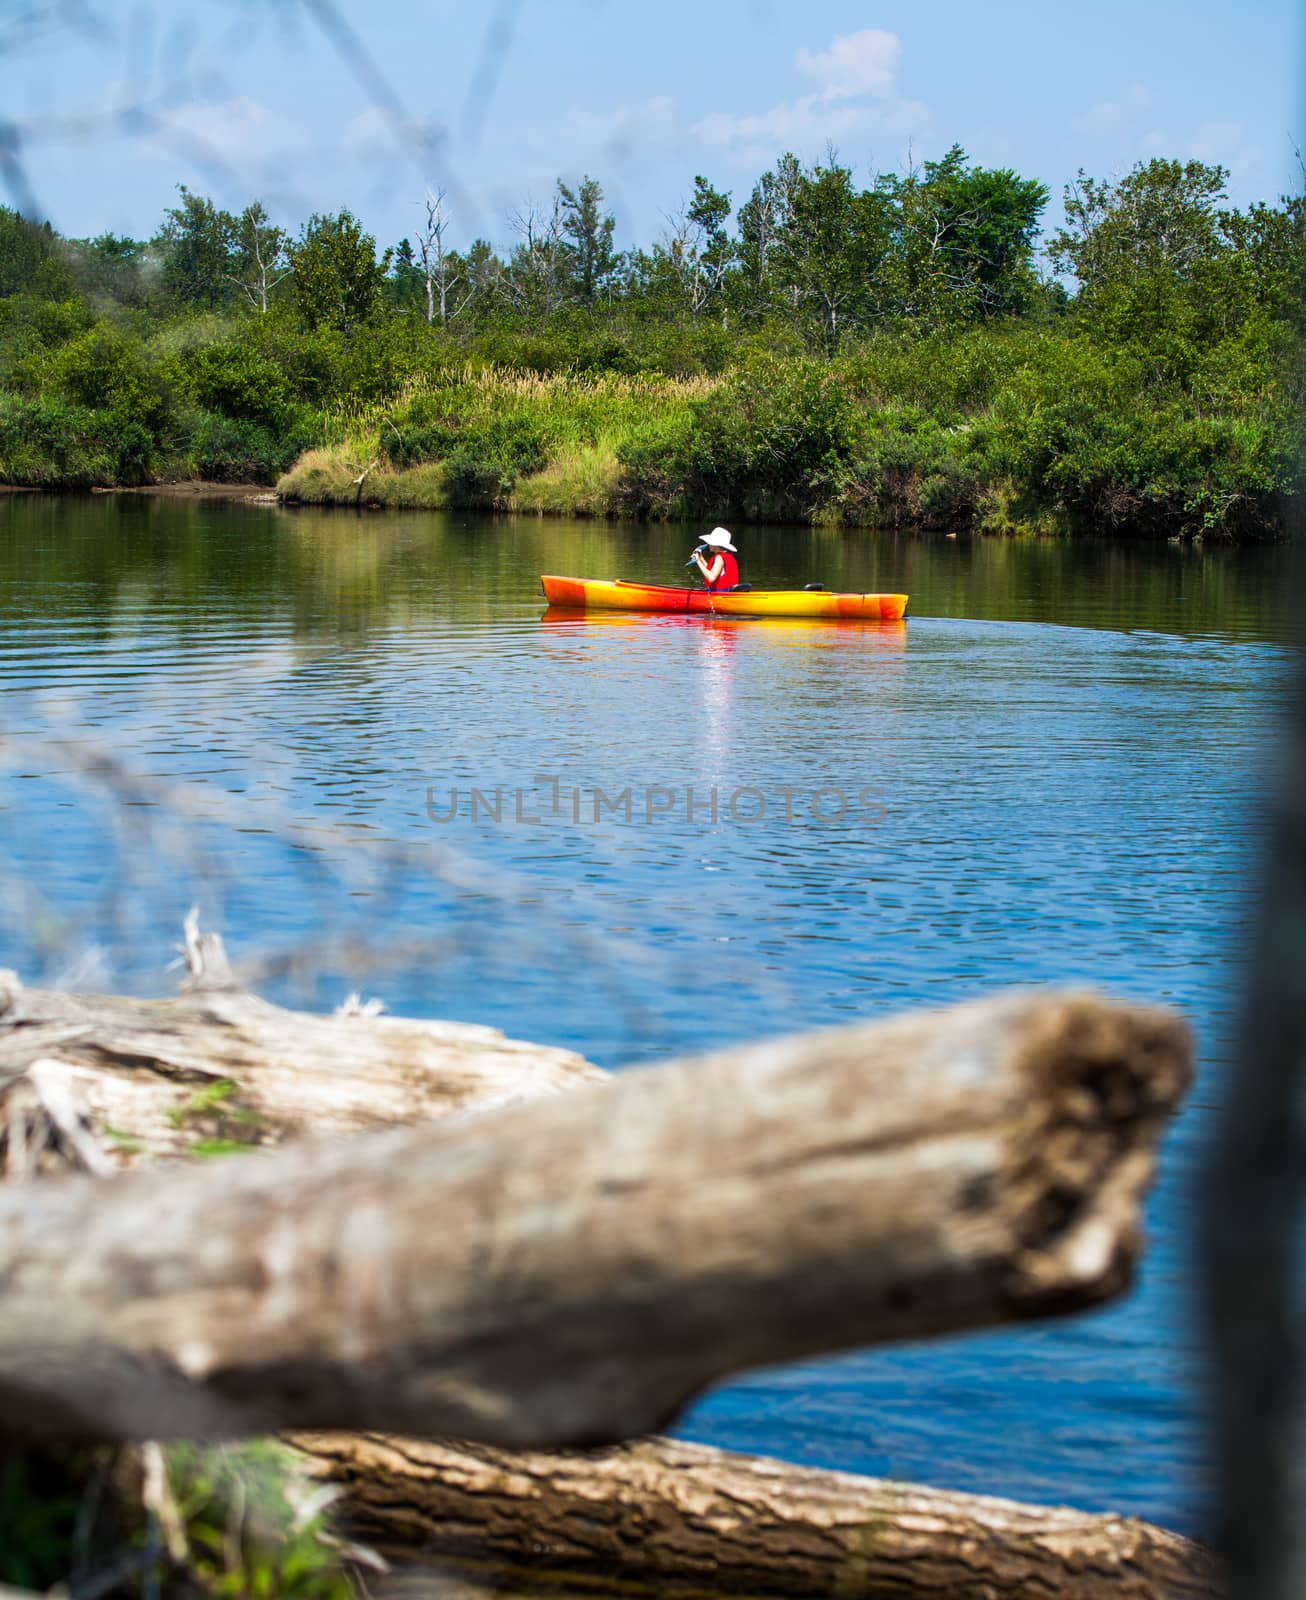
{"x": 639, "y": 836}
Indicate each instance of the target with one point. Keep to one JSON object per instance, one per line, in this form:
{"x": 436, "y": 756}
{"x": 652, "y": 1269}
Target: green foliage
{"x": 768, "y": 443}
{"x": 245, "y": 1514}
{"x": 51, "y": 442}
{"x": 483, "y": 468}
{"x": 236, "y": 381}
{"x": 338, "y": 280}
{"x": 55, "y": 322}
{"x": 858, "y": 354}
{"x": 589, "y": 231}
{"x": 226, "y": 450}
{"x": 963, "y": 240}
{"x": 245, "y": 1534}
{"x": 197, "y": 240}
{"x": 113, "y": 270}
{"x": 102, "y": 367}
{"x": 25, "y": 247}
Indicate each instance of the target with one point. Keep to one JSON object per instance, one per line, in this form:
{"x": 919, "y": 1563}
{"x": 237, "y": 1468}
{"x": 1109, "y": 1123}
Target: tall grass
{"x": 470, "y": 435}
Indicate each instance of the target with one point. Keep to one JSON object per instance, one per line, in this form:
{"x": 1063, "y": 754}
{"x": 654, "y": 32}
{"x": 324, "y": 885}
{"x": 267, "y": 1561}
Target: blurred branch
{"x": 193, "y": 839}
{"x": 495, "y": 47}
{"x": 419, "y": 139}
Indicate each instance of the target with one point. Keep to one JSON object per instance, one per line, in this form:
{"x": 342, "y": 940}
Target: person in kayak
{"x": 720, "y": 570}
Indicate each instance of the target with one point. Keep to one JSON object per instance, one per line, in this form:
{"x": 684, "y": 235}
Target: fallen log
{"x": 576, "y": 1269}
{"x": 662, "y": 1516}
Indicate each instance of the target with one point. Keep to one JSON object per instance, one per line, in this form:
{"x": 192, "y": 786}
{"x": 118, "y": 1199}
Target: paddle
{"x": 693, "y": 562}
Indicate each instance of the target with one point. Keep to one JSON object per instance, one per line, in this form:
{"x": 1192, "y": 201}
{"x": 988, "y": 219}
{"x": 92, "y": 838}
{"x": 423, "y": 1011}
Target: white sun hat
{"x": 719, "y": 539}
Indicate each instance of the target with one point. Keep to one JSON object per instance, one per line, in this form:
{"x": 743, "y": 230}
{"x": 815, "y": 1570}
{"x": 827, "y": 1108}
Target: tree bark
{"x": 576, "y": 1269}
{"x": 661, "y": 1515}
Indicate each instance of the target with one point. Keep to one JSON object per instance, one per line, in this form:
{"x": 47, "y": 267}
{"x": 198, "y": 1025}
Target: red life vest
{"x": 729, "y": 572}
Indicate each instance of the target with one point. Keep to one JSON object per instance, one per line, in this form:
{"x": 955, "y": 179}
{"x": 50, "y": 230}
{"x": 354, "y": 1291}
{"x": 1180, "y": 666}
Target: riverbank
{"x": 1012, "y": 428}
{"x": 831, "y": 375}
{"x": 196, "y": 489}
{"x": 1019, "y": 431}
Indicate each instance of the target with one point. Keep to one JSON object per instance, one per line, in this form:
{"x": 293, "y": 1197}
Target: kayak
{"x": 616, "y": 595}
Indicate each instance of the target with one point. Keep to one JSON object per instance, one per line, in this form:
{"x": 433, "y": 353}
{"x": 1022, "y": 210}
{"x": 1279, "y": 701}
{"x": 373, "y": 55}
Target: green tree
{"x": 24, "y": 248}
{"x": 823, "y": 253}
{"x": 197, "y": 242}
{"x": 699, "y": 251}
{"x": 407, "y": 287}
{"x": 104, "y": 368}
{"x": 588, "y": 230}
{"x": 761, "y": 220}
{"x": 1268, "y": 245}
{"x": 338, "y": 280}
{"x": 1159, "y": 221}
{"x": 112, "y": 267}
{"x": 964, "y": 239}
{"x": 538, "y": 280}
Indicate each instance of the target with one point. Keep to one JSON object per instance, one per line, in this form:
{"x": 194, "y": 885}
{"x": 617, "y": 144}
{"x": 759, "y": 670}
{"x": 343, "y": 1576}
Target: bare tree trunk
{"x": 578, "y": 1268}
{"x": 662, "y": 1515}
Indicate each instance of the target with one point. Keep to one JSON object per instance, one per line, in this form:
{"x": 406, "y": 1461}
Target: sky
{"x": 107, "y": 105}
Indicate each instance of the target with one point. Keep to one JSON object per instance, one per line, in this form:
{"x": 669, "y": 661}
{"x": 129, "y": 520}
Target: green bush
{"x": 53, "y": 443}
{"x": 419, "y": 442}
{"x": 771, "y": 442}
{"x": 232, "y": 450}
{"x": 55, "y": 322}
{"x": 651, "y": 481}
{"x": 487, "y": 462}
{"x": 102, "y": 367}
{"x": 235, "y": 381}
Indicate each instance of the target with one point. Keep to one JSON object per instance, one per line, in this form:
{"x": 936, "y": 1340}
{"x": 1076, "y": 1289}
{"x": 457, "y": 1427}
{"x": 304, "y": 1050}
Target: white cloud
{"x": 1108, "y": 114}
{"x": 629, "y": 130}
{"x": 855, "y": 64}
{"x": 374, "y": 133}
{"x": 857, "y": 94}
{"x": 368, "y": 134}
{"x": 240, "y": 132}
{"x": 1226, "y": 144}
{"x": 806, "y": 124}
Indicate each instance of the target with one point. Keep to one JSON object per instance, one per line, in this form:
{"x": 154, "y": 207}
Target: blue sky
{"x": 257, "y": 97}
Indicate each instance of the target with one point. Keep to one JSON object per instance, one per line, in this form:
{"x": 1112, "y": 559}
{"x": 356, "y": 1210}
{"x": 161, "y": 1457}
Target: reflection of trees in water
{"x": 342, "y": 569}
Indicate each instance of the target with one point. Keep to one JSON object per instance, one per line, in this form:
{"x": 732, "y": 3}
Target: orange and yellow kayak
{"x": 615, "y": 595}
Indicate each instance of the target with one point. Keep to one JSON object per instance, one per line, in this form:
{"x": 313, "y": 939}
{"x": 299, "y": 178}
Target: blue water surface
{"x": 1049, "y": 774}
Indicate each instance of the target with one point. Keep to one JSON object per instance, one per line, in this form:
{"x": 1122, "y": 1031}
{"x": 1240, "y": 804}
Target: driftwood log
{"x": 574, "y": 1270}
{"x": 663, "y": 1515}
{"x": 1086, "y": 1092}
{"x": 216, "y": 1062}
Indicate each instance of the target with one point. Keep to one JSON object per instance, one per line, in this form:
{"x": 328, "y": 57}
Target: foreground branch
{"x": 576, "y": 1269}
{"x": 663, "y": 1515}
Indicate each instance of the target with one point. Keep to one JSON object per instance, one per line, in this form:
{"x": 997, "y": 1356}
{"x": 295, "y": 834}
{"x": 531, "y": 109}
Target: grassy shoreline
{"x": 1021, "y": 432}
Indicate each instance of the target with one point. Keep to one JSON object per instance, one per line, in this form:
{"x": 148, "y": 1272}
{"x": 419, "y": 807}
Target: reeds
{"x": 583, "y": 419}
